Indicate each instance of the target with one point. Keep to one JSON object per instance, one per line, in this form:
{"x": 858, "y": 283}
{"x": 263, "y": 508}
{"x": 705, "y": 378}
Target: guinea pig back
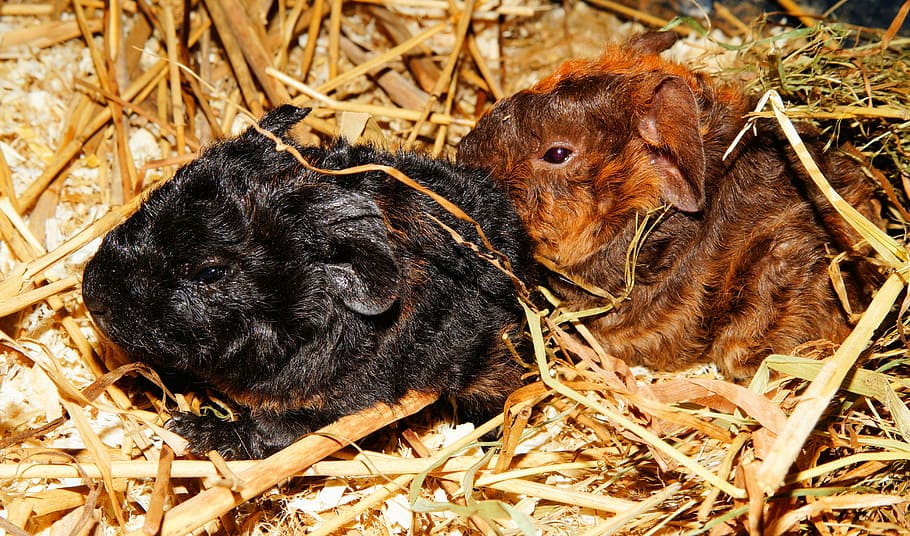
{"x": 734, "y": 265}
{"x": 305, "y": 296}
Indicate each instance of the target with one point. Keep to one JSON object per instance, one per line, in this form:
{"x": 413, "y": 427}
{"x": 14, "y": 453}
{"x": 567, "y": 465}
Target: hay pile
{"x": 597, "y": 448}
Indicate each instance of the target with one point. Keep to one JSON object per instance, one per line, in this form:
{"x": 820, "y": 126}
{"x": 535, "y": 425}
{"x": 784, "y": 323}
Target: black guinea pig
{"x": 304, "y": 296}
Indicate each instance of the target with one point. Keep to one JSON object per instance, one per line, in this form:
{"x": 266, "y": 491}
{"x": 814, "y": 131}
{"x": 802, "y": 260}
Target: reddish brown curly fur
{"x": 735, "y": 270}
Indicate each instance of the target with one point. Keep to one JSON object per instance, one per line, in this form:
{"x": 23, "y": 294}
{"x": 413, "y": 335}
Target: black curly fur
{"x": 304, "y": 297}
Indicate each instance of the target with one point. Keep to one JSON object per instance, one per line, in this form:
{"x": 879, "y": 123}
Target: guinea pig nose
{"x": 93, "y": 296}
{"x": 100, "y": 311}
{"x": 94, "y": 303}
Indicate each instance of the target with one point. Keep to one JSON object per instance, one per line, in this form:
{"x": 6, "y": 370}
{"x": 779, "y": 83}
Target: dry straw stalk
{"x": 218, "y": 500}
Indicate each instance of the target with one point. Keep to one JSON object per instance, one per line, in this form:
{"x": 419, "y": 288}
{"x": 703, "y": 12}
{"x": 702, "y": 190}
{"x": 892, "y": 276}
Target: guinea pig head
{"x": 244, "y": 261}
{"x": 597, "y": 142}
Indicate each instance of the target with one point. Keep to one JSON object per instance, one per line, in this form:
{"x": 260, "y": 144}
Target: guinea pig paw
{"x": 205, "y": 433}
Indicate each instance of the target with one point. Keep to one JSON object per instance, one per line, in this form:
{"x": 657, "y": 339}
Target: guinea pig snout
{"x": 102, "y": 292}
{"x": 95, "y": 303}
{"x": 95, "y": 296}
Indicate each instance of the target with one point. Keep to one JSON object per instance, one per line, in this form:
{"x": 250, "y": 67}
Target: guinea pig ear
{"x": 651, "y": 42}
{"x": 282, "y": 119}
{"x": 670, "y": 127}
{"x": 362, "y": 269}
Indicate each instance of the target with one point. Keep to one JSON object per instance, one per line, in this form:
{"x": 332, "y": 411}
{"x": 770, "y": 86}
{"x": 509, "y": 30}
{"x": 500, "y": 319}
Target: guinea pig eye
{"x": 209, "y": 274}
{"x": 557, "y": 154}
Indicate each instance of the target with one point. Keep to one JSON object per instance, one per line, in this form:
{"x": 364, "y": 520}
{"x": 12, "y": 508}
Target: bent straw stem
{"x": 217, "y": 501}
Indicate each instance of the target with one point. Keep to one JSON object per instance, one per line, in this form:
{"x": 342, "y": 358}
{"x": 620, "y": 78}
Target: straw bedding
{"x": 590, "y": 446}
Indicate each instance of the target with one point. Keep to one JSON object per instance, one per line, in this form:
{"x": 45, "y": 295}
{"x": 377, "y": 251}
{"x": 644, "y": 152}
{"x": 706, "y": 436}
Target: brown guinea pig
{"x": 734, "y": 269}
